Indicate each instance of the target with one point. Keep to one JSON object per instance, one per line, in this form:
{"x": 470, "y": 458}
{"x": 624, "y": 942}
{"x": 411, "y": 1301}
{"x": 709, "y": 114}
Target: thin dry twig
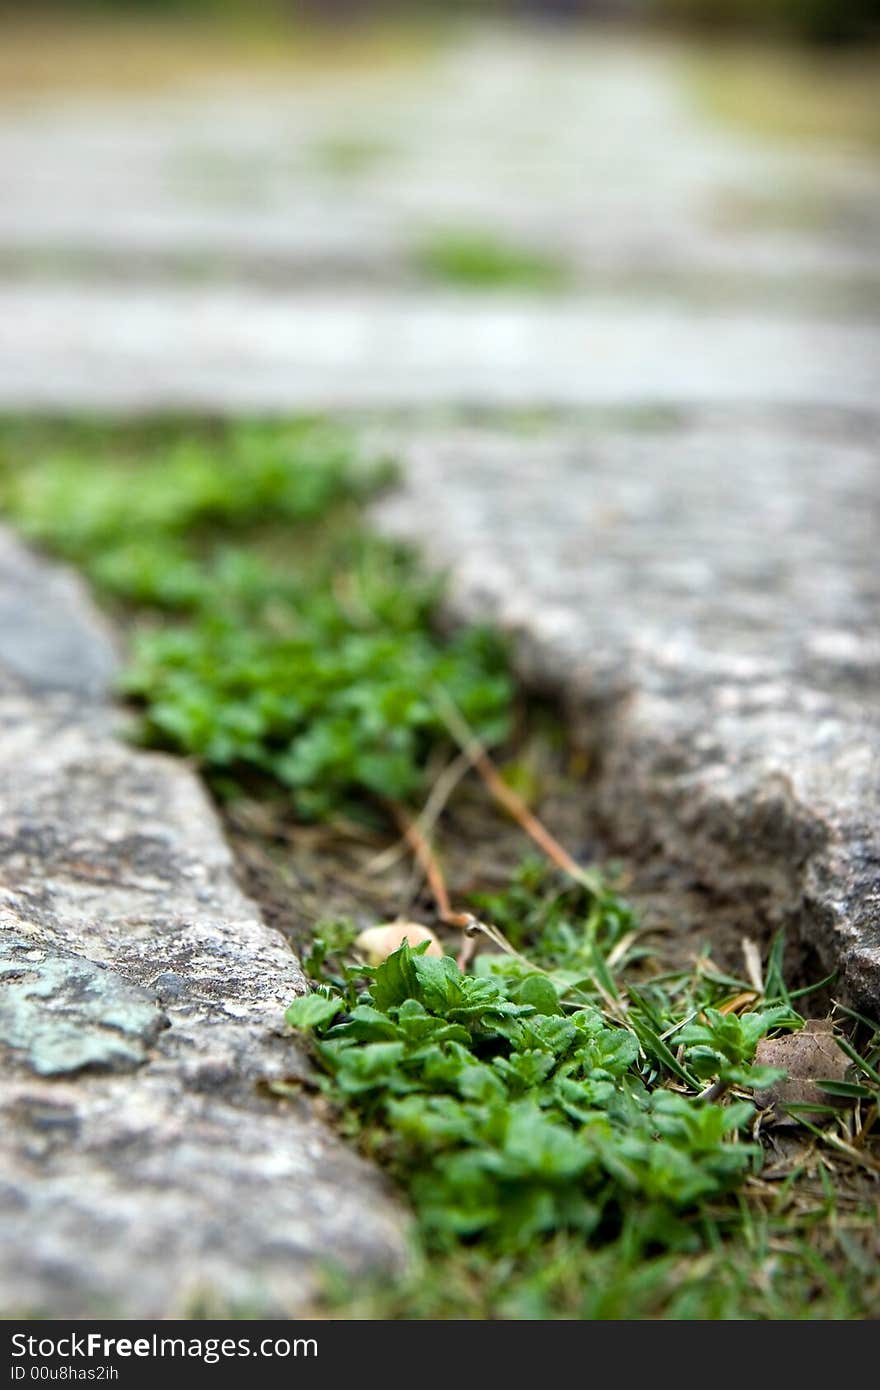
{"x": 503, "y": 794}
{"x": 429, "y": 815}
{"x": 425, "y": 858}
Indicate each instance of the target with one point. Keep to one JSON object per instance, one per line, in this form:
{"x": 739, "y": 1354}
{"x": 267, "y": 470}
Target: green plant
{"x": 135, "y": 508}
{"x": 548, "y": 1122}
{"x": 480, "y": 260}
{"x": 512, "y": 1104}
{"x": 298, "y": 651}
{"x": 721, "y": 1046}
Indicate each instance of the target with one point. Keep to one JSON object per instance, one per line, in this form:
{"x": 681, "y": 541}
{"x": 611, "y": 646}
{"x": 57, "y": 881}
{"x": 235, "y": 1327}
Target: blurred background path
{"x": 499, "y": 218}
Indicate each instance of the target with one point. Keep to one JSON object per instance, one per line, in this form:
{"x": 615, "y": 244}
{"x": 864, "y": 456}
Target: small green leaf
{"x": 850, "y": 1089}
{"x": 538, "y": 991}
{"x": 312, "y": 1011}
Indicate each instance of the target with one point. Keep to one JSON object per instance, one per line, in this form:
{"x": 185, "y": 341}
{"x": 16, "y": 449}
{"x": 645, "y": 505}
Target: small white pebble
{"x": 376, "y": 943}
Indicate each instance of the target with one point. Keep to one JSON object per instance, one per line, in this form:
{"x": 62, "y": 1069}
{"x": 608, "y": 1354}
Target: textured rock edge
{"x": 148, "y": 1173}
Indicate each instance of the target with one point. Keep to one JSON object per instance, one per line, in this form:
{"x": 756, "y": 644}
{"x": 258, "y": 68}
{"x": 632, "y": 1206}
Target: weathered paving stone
{"x": 233, "y": 349}
{"x": 144, "y": 1168}
{"x": 704, "y": 596}
{"x": 597, "y": 151}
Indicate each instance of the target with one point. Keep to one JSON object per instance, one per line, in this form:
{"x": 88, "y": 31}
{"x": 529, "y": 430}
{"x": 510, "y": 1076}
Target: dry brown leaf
{"x": 806, "y": 1057}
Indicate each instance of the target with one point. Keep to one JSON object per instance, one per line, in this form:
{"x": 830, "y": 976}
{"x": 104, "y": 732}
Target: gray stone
{"x": 50, "y": 636}
{"x": 146, "y": 1168}
{"x": 704, "y": 597}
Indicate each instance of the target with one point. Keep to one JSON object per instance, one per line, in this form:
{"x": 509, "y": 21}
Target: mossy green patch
{"x": 480, "y": 260}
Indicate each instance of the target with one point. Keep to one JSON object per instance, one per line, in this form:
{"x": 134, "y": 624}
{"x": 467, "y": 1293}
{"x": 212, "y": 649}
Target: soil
{"x": 302, "y": 874}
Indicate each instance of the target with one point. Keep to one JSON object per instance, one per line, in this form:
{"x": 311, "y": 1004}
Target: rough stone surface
{"x": 144, "y": 1170}
{"x": 595, "y": 150}
{"x": 705, "y": 597}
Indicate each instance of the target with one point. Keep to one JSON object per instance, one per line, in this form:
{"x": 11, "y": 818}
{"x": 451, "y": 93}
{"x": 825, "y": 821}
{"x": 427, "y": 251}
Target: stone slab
{"x": 61, "y": 1014}
{"x": 50, "y": 636}
{"x": 227, "y": 350}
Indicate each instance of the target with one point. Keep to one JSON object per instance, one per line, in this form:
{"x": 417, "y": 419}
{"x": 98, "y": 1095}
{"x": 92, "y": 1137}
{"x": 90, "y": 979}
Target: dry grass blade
{"x": 428, "y": 817}
{"x": 754, "y": 968}
{"x": 855, "y": 1155}
{"x": 414, "y": 837}
{"x": 617, "y": 953}
{"x": 744, "y": 1000}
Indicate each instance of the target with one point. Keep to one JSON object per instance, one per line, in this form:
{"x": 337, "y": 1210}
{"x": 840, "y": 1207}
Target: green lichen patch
{"x": 62, "y": 1014}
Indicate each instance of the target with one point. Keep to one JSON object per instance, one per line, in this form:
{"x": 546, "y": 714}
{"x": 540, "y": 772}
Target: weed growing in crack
{"x": 514, "y": 1102}
{"x": 548, "y": 1119}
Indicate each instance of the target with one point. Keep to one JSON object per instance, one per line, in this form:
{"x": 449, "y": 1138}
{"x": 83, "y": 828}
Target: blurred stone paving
{"x": 256, "y": 246}
{"x": 662, "y": 481}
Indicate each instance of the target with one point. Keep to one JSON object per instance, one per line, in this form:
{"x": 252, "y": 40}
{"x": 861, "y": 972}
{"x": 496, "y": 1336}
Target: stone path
{"x": 142, "y": 1173}
{"x": 684, "y": 550}
{"x": 253, "y": 246}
